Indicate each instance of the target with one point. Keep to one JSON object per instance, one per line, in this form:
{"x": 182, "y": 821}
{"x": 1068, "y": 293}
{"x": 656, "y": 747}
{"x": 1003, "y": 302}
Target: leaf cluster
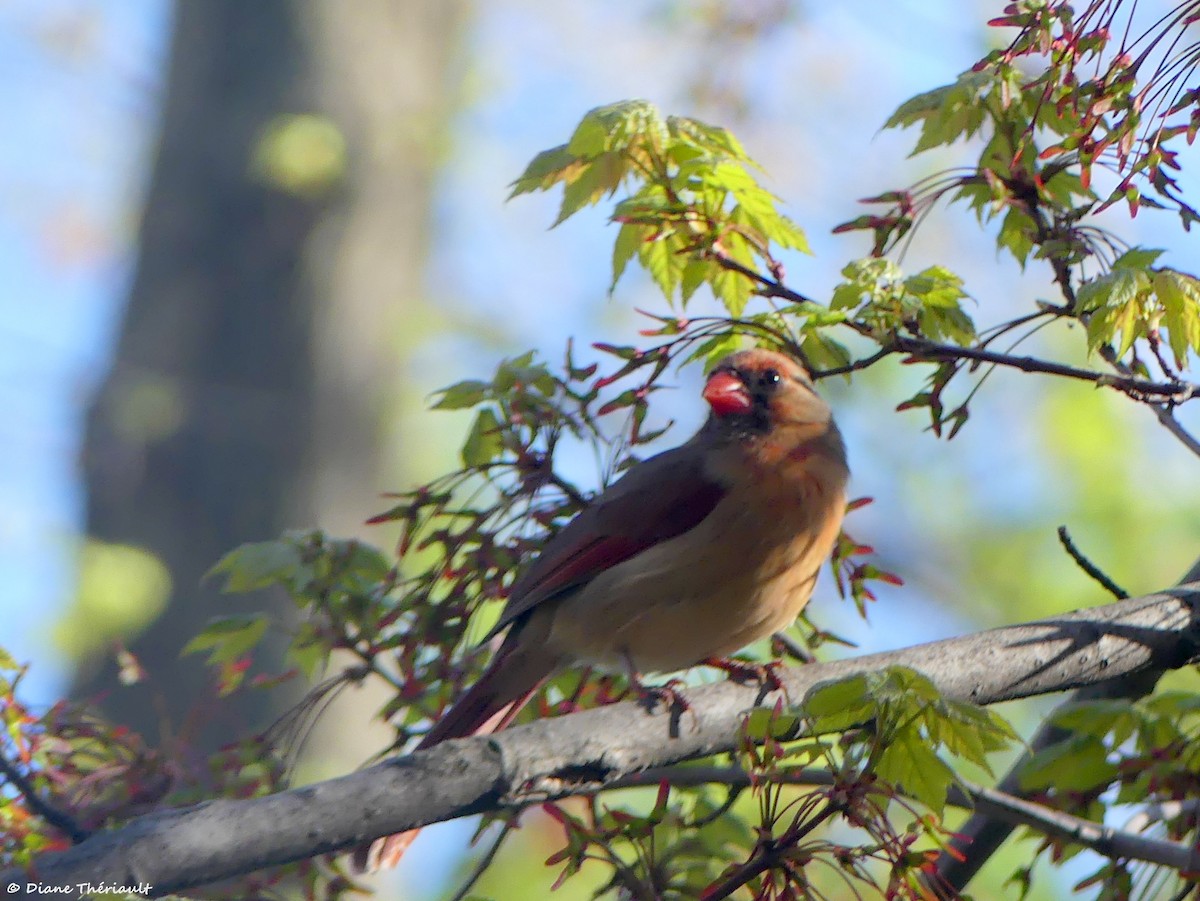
{"x": 1118, "y": 758}
{"x": 692, "y": 205}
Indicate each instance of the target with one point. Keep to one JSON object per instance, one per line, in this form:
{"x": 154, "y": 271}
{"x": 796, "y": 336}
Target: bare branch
{"x": 1112, "y": 843}
{"x": 1088, "y": 566}
{"x": 178, "y": 849}
{"x": 1115, "y": 843}
{"x": 1166, "y": 416}
{"x": 1174, "y": 392}
{"x": 59, "y": 819}
{"x": 482, "y": 864}
{"x": 1164, "y": 412}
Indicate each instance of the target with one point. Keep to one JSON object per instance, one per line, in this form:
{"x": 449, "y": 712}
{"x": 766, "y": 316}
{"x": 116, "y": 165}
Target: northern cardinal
{"x": 692, "y": 554}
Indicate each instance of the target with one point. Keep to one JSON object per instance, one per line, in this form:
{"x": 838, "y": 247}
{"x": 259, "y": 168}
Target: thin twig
{"x": 769, "y": 855}
{"x": 1166, "y": 417}
{"x": 572, "y": 493}
{"x": 793, "y": 647}
{"x": 768, "y": 287}
{"x": 1164, "y": 412}
{"x": 855, "y": 366}
{"x": 1088, "y": 566}
{"x": 482, "y": 864}
{"x": 1113, "y": 843}
{"x": 1176, "y": 392}
{"x": 59, "y": 819}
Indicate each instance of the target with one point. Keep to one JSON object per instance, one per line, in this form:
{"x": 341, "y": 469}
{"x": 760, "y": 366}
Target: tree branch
{"x": 1064, "y": 538}
{"x": 981, "y": 836}
{"x": 1116, "y": 843}
{"x": 986, "y": 830}
{"x": 179, "y": 849}
{"x": 1112, "y": 843}
{"x": 59, "y": 819}
{"x": 1174, "y": 392}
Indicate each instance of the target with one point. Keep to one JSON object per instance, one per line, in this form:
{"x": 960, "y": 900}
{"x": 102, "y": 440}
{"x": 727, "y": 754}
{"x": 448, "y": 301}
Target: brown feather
{"x": 656, "y": 500}
{"x": 692, "y": 554}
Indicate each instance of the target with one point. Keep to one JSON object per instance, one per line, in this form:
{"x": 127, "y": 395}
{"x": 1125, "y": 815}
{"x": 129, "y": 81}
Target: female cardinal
{"x": 691, "y": 555}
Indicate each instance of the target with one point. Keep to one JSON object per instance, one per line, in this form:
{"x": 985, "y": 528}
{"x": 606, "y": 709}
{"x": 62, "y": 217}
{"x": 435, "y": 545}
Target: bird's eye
{"x": 769, "y": 378}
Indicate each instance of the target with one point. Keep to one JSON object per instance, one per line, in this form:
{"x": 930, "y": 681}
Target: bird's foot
{"x": 765, "y": 674}
{"x": 607, "y": 691}
{"x": 669, "y": 694}
{"x": 652, "y": 695}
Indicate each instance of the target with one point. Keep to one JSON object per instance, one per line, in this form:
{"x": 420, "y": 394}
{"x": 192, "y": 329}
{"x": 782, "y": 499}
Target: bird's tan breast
{"x": 744, "y": 572}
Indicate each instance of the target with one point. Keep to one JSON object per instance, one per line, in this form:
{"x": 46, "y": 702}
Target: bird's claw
{"x": 669, "y": 694}
{"x": 765, "y": 674}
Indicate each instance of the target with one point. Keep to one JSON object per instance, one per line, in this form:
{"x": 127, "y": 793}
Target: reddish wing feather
{"x": 656, "y": 500}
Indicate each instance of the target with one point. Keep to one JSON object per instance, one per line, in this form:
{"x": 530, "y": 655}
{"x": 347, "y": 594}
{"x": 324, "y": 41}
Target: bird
{"x": 690, "y": 556}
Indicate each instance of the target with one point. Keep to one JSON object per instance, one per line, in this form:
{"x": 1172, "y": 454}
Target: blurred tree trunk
{"x": 251, "y": 379}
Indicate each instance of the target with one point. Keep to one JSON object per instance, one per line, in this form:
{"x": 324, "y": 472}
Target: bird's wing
{"x": 656, "y": 500}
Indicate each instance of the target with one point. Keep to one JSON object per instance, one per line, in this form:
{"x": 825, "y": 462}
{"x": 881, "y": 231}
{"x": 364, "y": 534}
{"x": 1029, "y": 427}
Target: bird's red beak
{"x": 727, "y": 394}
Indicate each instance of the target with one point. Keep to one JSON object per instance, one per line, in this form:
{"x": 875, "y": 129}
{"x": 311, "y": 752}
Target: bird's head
{"x": 761, "y": 395}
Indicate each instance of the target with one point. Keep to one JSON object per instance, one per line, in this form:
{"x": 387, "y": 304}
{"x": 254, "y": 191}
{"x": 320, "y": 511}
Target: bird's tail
{"x": 488, "y": 706}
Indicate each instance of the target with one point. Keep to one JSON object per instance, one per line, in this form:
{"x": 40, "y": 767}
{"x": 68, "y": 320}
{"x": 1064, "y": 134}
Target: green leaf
{"x": 1017, "y": 231}
{"x": 601, "y": 176}
{"x": 840, "y": 705}
{"x": 1137, "y": 258}
{"x": 257, "y": 565}
{"x": 947, "y": 113}
{"x": 484, "y": 442}
{"x": 733, "y": 288}
{"x": 823, "y": 352}
{"x": 462, "y": 395}
{"x": 764, "y": 723}
{"x": 1099, "y": 718}
{"x": 591, "y": 135}
{"x": 228, "y": 638}
{"x": 546, "y": 169}
{"x": 937, "y": 286}
{"x": 939, "y": 291}
{"x": 1179, "y": 296}
{"x": 846, "y": 296}
{"x": 1118, "y": 288}
{"x": 1078, "y": 764}
{"x": 968, "y": 731}
{"x": 696, "y": 272}
{"x": 786, "y": 233}
{"x": 908, "y": 761}
{"x": 715, "y": 349}
{"x": 916, "y": 109}
{"x": 1129, "y": 324}
{"x": 706, "y": 138}
{"x": 368, "y": 562}
{"x": 664, "y": 259}
{"x": 629, "y": 239}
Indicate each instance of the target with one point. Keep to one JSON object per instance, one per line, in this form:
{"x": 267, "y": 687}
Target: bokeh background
{"x": 241, "y": 243}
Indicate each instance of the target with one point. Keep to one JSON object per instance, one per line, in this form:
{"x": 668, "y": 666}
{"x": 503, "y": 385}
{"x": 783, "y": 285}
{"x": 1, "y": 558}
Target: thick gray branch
{"x": 981, "y": 835}
{"x": 178, "y": 849}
